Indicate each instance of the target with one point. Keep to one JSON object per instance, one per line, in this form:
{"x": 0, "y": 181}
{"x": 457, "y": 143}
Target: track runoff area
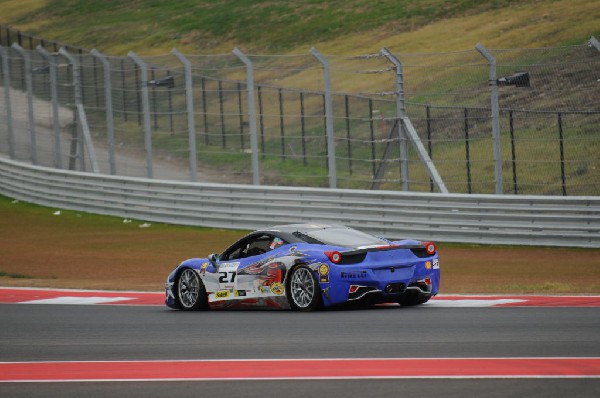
{"x": 293, "y": 369}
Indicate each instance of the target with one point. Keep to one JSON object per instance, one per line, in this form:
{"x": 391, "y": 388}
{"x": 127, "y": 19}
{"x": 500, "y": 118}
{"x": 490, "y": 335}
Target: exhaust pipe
{"x": 395, "y": 288}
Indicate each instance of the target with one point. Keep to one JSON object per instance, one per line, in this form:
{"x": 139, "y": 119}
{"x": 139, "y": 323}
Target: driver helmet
{"x": 276, "y": 243}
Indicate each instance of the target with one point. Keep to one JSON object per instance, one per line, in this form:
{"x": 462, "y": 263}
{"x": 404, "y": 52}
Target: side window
{"x": 257, "y": 246}
{"x": 234, "y": 252}
{"x": 253, "y": 246}
{"x": 233, "y": 255}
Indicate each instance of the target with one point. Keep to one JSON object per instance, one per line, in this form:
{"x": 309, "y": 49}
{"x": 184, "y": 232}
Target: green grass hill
{"x": 284, "y": 26}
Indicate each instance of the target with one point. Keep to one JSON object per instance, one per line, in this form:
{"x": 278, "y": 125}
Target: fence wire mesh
{"x": 549, "y": 114}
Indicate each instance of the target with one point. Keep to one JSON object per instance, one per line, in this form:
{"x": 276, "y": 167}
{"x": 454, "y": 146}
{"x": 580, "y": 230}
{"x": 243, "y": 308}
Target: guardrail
{"x": 486, "y": 219}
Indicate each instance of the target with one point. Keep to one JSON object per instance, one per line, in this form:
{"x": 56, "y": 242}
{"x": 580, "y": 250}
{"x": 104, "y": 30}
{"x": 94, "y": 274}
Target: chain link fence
{"x": 419, "y": 122}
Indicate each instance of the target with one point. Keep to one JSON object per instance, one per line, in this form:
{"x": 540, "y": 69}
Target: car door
{"x": 242, "y": 268}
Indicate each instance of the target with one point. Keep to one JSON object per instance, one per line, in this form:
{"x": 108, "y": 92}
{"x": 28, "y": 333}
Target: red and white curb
{"x": 300, "y": 369}
{"x": 98, "y": 297}
{"x": 513, "y": 301}
{"x": 19, "y": 295}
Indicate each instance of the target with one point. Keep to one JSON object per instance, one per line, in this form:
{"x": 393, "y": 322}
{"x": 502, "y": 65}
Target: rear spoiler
{"x": 425, "y": 249}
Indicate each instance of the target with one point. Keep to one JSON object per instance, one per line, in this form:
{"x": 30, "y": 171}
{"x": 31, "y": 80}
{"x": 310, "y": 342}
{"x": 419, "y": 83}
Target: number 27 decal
{"x": 227, "y": 277}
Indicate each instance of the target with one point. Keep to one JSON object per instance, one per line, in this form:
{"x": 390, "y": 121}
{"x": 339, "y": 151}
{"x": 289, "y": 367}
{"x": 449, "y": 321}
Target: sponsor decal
{"x": 256, "y": 268}
{"x": 354, "y": 275}
{"x": 277, "y": 288}
{"x": 229, "y": 266}
{"x": 274, "y": 273}
{"x": 239, "y": 293}
{"x": 227, "y": 275}
{"x": 436, "y": 263}
{"x": 266, "y": 271}
{"x": 222, "y": 294}
{"x": 203, "y": 268}
{"x": 323, "y": 273}
{"x": 428, "y": 265}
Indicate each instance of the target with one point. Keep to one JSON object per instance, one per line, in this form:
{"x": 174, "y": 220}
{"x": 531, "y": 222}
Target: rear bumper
{"x": 389, "y": 284}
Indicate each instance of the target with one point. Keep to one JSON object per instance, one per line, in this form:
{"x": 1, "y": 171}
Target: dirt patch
{"x": 84, "y": 251}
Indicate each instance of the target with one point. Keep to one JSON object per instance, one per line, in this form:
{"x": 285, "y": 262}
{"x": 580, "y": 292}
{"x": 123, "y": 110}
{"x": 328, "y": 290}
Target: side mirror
{"x": 213, "y": 258}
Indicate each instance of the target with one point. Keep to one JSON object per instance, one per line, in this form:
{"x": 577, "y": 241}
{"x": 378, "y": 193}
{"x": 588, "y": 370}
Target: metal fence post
{"x": 146, "y": 111}
{"x": 251, "y": 114}
{"x": 204, "y": 110}
{"x": 110, "y": 126}
{"x": 85, "y": 129}
{"x": 7, "y": 104}
{"x": 30, "y": 111}
{"x": 400, "y": 114}
{"x": 189, "y": 100}
{"x": 328, "y": 118}
{"x": 261, "y": 120}
{"x": 468, "y": 152}
{"x": 495, "y": 116}
{"x": 512, "y": 150}
{"x": 54, "y": 96}
{"x": 408, "y": 129}
{"x": 154, "y": 109}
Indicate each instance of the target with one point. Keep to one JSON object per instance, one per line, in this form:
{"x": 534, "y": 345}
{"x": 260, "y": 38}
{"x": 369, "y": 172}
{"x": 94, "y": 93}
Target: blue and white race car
{"x": 307, "y": 267}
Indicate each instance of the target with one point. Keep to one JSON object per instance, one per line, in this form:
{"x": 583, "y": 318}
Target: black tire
{"x": 190, "y": 293}
{"x": 303, "y": 291}
{"x": 412, "y": 298}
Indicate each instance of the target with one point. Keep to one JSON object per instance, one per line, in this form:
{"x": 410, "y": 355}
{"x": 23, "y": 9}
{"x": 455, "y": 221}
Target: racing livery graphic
{"x": 307, "y": 267}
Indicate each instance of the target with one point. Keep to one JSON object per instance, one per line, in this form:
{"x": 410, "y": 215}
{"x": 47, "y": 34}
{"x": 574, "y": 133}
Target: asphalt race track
{"x": 452, "y": 338}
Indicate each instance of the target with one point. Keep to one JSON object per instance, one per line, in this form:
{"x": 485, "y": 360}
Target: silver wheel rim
{"x": 188, "y": 288}
{"x": 302, "y": 287}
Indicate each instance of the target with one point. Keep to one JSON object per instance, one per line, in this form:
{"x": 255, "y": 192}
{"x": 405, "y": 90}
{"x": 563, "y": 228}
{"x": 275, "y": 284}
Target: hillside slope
{"x": 336, "y": 26}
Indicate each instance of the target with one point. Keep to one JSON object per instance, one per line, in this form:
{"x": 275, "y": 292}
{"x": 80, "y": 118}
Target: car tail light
{"x": 334, "y": 257}
{"x": 423, "y": 284}
{"x": 353, "y": 288}
{"x": 429, "y": 247}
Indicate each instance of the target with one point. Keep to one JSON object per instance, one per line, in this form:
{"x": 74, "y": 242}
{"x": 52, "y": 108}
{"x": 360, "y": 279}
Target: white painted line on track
{"x": 78, "y": 300}
{"x": 471, "y": 303}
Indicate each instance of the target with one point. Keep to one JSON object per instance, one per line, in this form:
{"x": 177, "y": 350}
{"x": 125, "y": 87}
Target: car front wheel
{"x": 191, "y": 294}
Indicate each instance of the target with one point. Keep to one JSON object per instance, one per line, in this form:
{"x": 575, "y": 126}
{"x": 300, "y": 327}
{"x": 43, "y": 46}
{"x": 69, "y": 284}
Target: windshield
{"x": 340, "y": 236}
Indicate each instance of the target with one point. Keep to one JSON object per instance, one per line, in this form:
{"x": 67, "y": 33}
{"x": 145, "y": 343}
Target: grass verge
{"x": 79, "y": 250}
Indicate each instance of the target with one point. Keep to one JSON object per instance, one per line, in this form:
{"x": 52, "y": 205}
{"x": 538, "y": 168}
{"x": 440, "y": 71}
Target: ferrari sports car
{"x": 306, "y": 267}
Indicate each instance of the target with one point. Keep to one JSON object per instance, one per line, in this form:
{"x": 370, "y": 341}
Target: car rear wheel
{"x": 304, "y": 293}
{"x": 191, "y": 294}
